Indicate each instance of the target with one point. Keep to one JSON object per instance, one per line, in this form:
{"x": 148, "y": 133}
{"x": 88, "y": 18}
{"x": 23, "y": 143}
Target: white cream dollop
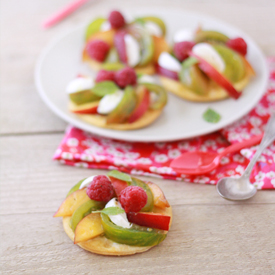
{"x": 153, "y": 28}
{"x": 184, "y": 35}
{"x": 147, "y": 79}
{"x": 208, "y": 53}
{"x": 105, "y": 26}
{"x": 80, "y": 84}
{"x": 109, "y": 102}
{"x": 132, "y": 50}
{"x": 167, "y": 61}
{"x": 86, "y": 182}
{"x": 119, "y": 219}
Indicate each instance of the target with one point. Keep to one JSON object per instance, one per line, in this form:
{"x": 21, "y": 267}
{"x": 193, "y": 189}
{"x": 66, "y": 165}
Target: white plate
{"x": 61, "y": 61}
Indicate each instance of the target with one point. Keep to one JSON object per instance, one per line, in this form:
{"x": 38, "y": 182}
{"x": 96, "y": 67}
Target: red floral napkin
{"x": 81, "y": 149}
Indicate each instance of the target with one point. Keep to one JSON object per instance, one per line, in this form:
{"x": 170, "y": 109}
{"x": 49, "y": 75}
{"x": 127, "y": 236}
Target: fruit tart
{"x": 112, "y": 43}
{"x": 118, "y": 100}
{"x": 205, "y": 65}
{"x": 115, "y": 214}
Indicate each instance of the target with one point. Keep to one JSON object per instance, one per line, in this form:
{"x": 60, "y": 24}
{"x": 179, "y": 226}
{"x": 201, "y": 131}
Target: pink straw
{"x": 60, "y": 15}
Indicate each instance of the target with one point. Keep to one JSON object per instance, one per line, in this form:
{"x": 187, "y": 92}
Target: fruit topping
{"x": 168, "y": 73}
{"x": 126, "y": 76}
{"x": 116, "y": 19}
{"x": 133, "y": 198}
{"x": 100, "y": 189}
{"x": 238, "y": 45}
{"x": 142, "y": 105}
{"x": 94, "y": 27}
{"x": 181, "y": 49}
{"x": 169, "y": 62}
{"x": 97, "y": 50}
{"x": 152, "y": 220}
{"x": 109, "y": 102}
{"x": 120, "y": 45}
{"x": 132, "y": 50}
{"x": 210, "y": 36}
{"x": 104, "y": 75}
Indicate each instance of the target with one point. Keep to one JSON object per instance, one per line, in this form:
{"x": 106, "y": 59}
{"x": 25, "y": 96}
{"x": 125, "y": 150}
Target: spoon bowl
{"x": 236, "y": 189}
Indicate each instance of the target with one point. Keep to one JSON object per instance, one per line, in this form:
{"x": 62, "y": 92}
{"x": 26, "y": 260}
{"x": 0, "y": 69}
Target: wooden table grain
{"x": 209, "y": 235}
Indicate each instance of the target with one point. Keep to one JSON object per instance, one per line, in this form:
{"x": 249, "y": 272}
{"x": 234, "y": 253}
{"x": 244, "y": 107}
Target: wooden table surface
{"x": 209, "y": 235}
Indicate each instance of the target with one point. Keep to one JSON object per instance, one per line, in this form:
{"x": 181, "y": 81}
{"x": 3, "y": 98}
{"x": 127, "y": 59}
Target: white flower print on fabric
{"x": 270, "y": 174}
{"x": 273, "y": 182}
{"x": 201, "y": 179}
{"x": 258, "y": 184}
{"x": 137, "y": 172}
{"x": 120, "y": 162}
{"x": 160, "y": 145}
{"x": 67, "y": 155}
{"x": 239, "y": 169}
{"x": 72, "y": 142}
{"x": 81, "y": 164}
{"x": 261, "y": 110}
{"x": 246, "y": 153}
{"x": 238, "y": 158}
{"x": 161, "y": 158}
{"x": 231, "y": 172}
{"x": 255, "y": 131}
{"x": 162, "y": 170}
{"x": 73, "y": 150}
{"x": 132, "y": 155}
{"x": 224, "y": 160}
{"x": 255, "y": 121}
{"x": 145, "y": 161}
{"x": 271, "y": 98}
{"x": 99, "y": 158}
{"x": 174, "y": 153}
{"x": 86, "y": 157}
{"x": 260, "y": 176}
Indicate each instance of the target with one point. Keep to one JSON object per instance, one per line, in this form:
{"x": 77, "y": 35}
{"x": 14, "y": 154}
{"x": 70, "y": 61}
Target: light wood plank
{"x": 204, "y": 239}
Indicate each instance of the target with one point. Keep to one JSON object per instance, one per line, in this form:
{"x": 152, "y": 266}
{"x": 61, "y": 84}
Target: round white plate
{"x": 61, "y": 62}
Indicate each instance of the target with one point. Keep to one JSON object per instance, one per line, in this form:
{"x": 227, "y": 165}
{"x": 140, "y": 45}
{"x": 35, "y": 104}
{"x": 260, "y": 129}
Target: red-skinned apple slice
{"x": 92, "y": 110}
{"x": 121, "y": 46}
{"x": 118, "y": 185}
{"x": 170, "y": 74}
{"x": 142, "y": 106}
{"x": 149, "y": 219}
{"x": 212, "y": 73}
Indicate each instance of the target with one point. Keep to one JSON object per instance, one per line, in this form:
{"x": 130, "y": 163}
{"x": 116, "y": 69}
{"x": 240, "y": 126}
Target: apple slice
{"x": 212, "y": 73}
{"x": 120, "y": 45}
{"x": 71, "y": 203}
{"x": 118, "y": 185}
{"x": 88, "y": 108}
{"x": 88, "y": 228}
{"x": 149, "y": 219}
{"x": 142, "y": 105}
{"x": 170, "y": 74}
{"x": 159, "y": 198}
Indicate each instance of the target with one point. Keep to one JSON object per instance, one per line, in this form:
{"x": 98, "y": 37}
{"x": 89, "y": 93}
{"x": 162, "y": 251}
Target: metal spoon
{"x": 241, "y": 188}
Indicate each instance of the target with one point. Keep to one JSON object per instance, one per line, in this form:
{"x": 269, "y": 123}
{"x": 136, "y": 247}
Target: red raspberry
{"x": 100, "y": 189}
{"x": 120, "y": 45}
{"x": 104, "y": 75}
{"x": 133, "y": 198}
{"x": 116, "y": 19}
{"x": 97, "y": 49}
{"x": 181, "y": 49}
{"x": 238, "y": 45}
{"x": 126, "y": 76}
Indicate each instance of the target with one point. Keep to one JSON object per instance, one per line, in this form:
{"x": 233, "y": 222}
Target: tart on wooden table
{"x": 112, "y": 43}
{"x": 205, "y": 66}
{"x": 120, "y": 100}
{"x": 115, "y": 214}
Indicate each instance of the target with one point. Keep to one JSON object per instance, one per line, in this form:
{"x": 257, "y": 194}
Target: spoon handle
{"x": 268, "y": 137}
{"x": 238, "y": 146}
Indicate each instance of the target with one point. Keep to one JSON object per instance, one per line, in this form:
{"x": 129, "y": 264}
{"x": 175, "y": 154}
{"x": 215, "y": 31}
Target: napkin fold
{"x": 82, "y": 149}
